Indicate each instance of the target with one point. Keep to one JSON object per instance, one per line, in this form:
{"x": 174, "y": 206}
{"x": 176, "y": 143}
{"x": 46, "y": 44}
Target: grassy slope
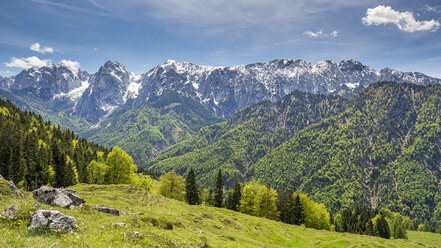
{"x": 220, "y": 227}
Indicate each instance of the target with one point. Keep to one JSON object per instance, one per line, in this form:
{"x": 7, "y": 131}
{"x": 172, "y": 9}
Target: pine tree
{"x": 219, "y": 191}
{"x": 284, "y": 205}
{"x": 298, "y": 216}
{"x": 383, "y": 227}
{"x": 31, "y": 174}
{"x": 191, "y": 189}
{"x": 234, "y": 198}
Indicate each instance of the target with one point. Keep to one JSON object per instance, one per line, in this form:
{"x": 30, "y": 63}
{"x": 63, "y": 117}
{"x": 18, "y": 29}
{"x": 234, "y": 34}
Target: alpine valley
{"x": 342, "y": 134}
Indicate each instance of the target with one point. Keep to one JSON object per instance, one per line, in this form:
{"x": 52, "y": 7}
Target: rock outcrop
{"x": 65, "y": 198}
{"x": 11, "y": 185}
{"x": 107, "y": 210}
{"x": 9, "y": 212}
{"x": 49, "y": 220}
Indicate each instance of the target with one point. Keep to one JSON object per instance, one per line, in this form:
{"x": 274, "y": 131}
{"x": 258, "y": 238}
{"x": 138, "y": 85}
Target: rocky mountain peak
{"x": 351, "y": 65}
{"x": 224, "y": 90}
{"x": 49, "y": 82}
{"x": 111, "y": 87}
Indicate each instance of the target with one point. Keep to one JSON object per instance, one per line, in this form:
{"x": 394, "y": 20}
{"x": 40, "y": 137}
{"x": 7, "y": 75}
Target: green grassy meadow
{"x": 153, "y": 216}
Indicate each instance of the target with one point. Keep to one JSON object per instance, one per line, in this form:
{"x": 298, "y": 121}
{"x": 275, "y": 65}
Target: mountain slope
{"x": 148, "y": 129}
{"x": 35, "y": 153}
{"x": 383, "y": 150}
{"x": 253, "y": 132}
{"x": 82, "y": 102}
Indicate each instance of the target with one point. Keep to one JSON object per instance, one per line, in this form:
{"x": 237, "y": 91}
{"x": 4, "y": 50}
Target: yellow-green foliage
{"x": 316, "y": 215}
{"x": 143, "y": 181}
{"x": 4, "y": 111}
{"x": 259, "y": 200}
{"x": 172, "y": 186}
{"x": 96, "y": 172}
{"x": 71, "y": 163}
{"x": 120, "y": 167}
{"x": 51, "y": 176}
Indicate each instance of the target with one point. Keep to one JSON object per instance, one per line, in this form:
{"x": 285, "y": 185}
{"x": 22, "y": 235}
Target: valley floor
{"x": 192, "y": 226}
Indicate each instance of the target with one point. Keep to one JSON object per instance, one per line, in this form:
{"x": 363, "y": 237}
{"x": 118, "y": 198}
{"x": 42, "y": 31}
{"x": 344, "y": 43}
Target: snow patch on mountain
{"x": 74, "y": 94}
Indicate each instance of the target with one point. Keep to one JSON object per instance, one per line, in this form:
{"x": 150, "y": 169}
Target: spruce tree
{"x": 298, "y": 216}
{"x": 383, "y": 227}
{"x": 284, "y": 206}
{"x": 234, "y": 198}
{"x": 191, "y": 189}
{"x": 219, "y": 191}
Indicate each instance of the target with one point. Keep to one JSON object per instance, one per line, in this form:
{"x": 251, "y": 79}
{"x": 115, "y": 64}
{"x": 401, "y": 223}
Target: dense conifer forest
{"x": 35, "y": 153}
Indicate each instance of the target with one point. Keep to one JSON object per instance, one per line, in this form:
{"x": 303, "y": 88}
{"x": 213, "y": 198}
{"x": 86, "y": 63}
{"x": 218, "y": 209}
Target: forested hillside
{"x": 382, "y": 149}
{"x": 149, "y": 128}
{"x": 235, "y": 145}
{"x": 35, "y": 153}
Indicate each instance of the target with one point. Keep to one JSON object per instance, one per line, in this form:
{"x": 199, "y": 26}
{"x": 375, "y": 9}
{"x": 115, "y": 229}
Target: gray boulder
{"x": 12, "y": 186}
{"x": 9, "y": 212}
{"x": 65, "y": 198}
{"x": 107, "y": 210}
{"x": 49, "y": 220}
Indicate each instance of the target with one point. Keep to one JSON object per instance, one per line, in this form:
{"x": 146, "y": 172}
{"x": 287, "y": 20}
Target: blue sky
{"x": 405, "y": 35}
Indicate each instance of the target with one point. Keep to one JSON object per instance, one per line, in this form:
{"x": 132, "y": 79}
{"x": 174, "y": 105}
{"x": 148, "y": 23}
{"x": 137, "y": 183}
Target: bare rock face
{"x": 49, "y": 220}
{"x": 12, "y": 186}
{"x": 10, "y": 212}
{"x": 65, "y": 198}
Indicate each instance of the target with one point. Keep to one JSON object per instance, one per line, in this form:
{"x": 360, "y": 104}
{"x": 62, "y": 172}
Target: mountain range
{"x": 91, "y": 104}
{"x": 380, "y": 148}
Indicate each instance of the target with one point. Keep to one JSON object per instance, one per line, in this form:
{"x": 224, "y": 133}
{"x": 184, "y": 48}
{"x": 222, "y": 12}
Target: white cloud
{"x": 37, "y": 48}
{"x": 320, "y": 34}
{"x": 26, "y": 63}
{"x": 73, "y": 65}
{"x": 405, "y": 21}
{"x": 313, "y": 34}
{"x": 95, "y": 49}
